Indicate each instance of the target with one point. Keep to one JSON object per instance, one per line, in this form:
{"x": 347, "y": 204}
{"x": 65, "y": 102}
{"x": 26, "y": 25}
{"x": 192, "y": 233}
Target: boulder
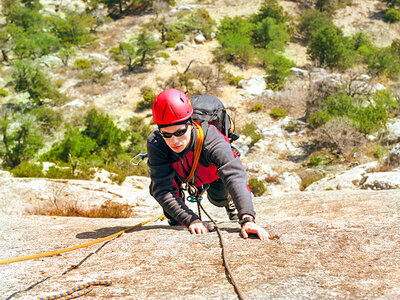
{"x": 179, "y": 47}
{"x": 381, "y": 181}
{"x": 395, "y": 154}
{"x": 300, "y": 73}
{"x": 346, "y": 180}
{"x": 100, "y": 57}
{"x": 77, "y": 103}
{"x": 392, "y": 133}
{"x": 254, "y": 86}
{"x": 5, "y": 174}
{"x": 199, "y": 39}
{"x": 290, "y": 182}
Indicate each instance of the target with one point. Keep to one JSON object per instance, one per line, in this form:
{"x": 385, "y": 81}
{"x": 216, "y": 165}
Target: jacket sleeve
{"x": 162, "y": 186}
{"x": 230, "y": 169}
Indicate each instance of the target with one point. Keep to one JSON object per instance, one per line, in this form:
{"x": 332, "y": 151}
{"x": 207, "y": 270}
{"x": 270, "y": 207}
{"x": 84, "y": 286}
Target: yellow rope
{"x": 47, "y": 254}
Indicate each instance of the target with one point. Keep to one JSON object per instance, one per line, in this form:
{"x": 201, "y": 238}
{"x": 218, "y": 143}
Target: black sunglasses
{"x": 179, "y": 132}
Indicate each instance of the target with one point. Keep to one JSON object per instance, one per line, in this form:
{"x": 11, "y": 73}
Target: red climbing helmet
{"x": 171, "y": 106}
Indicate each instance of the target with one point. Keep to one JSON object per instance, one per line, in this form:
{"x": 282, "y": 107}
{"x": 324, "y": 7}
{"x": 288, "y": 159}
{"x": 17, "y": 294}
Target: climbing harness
{"x": 137, "y": 159}
{"x": 47, "y": 254}
{"x": 74, "y": 292}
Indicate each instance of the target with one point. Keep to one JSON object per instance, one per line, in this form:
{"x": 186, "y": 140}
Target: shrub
{"x": 257, "y": 187}
{"x": 328, "y": 48}
{"x": 311, "y": 21}
{"x": 382, "y": 61}
{"x": 270, "y": 9}
{"x": 20, "y": 139}
{"x": 232, "y": 79}
{"x": 256, "y": 108}
{"x": 29, "y": 77}
{"x": 365, "y": 118}
{"x": 235, "y": 36}
{"x": 82, "y": 64}
{"x": 3, "y": 93}
{"x": 170, "y": 44}
{"x": 148, "y": 98}
{"x": 392, "y": 15}
{"x": 270, "y": 34}
{"x": 197, "y": 22}
{"x": 95, "y": 76}
{"x": 251, "y": 130}
{"x": 164, "y": 55}
{"x": 174, "y": 35}
{"x": 278, "y": 113}
{"x": 26, "y": 169}
{"x": 48, "y": 119}
{"x": 278, "y": 70}
{"x": 315, "y": 160}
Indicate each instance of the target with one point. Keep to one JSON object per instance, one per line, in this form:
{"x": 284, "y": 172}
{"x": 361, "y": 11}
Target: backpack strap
{"x": 197, "y": 152}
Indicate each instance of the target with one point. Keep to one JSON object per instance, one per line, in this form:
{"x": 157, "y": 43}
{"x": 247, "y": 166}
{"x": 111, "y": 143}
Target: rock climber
{"x": 171, "y": 150}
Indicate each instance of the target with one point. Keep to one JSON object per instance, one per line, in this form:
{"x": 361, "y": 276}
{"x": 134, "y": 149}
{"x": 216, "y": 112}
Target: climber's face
{"x": 177, "y": 137}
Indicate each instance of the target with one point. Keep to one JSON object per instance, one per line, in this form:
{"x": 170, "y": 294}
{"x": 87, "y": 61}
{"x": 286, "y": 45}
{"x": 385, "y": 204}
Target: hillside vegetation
{"x": 78, "y": 78}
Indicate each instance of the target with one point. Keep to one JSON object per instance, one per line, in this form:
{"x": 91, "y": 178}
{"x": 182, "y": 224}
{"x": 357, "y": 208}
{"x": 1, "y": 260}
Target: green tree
{"x": 328, "y": 48}
{"x": 147, "y": 46}
{"x": 138, "y": 136}
{"x": 29, "y": 78}
{"x": 74, "y": 28}
{"x": 72, "y": 147}
{"x": 270, "y": 9}
{"x": 270, "y": 34}
{"x": 26, "y": 18}
{"x": 311, "y": 21}
{"x": 278, "y": 71}
{"x": 108, "y": 137}
{"x": 235, "y": 36}
{"x": 126, "y": 54}
{"x": 382, "y": 61}
{"x": 20, "y": 139}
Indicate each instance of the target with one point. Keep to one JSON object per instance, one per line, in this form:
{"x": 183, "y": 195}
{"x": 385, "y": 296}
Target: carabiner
{"x": 142, "y": 156}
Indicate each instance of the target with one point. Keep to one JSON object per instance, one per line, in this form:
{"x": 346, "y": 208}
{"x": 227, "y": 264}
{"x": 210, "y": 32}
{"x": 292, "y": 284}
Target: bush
{"x": 311, "y": 21}
{"x": 148, "y": 98}
{"x": 315, "y": 160}
{"x": 278, "y": 71}
{"x": 256, "y": 108}
{"x": 251, "y": 130}
{"x": 257, "y": 187}
{"x": 164, "y": 55}
{"x": 26, "y": 169}
{"x": 270, "y": 9}
{"x": 392, "y": 15}
{"x": 235, "y": 35}
{"x": 3, "y": 93}
{"x": 366, "y": 118}
{"x": 170, "y": 44}
{"x": 327, "y": 46}
{"x": 382, "y": 61}
{"x": 232, "y": 79}
{"x": 95, "y": 76}
{"x": 48, "y": 119}
{"x": 197, "y": 22}
{"x": 278, "y": 113}
{"x": 82, "y": 64}
{"x": 29, "y": 77}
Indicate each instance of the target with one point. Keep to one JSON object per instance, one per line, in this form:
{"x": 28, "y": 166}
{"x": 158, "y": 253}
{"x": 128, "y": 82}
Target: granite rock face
{"x": 326, "y": 245}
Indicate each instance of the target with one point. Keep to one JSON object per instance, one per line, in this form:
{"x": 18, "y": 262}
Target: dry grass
{"x": 109, "y": 209}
